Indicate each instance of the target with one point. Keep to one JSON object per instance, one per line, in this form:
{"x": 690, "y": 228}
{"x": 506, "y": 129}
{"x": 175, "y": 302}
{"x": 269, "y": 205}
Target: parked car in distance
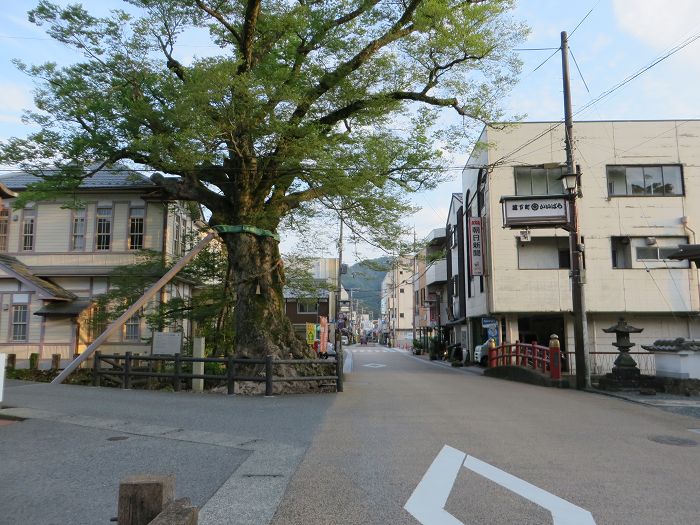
{"x": 481, "y": 353}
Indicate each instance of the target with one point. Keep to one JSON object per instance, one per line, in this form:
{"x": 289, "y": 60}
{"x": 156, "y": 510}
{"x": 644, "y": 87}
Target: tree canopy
{"x": 304, "y": 106}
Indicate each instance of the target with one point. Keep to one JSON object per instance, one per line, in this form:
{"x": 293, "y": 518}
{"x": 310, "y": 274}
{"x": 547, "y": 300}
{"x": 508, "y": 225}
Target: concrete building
{"x": 640, "y": 191}
{"x": 397, "y": 302}
{"x": 430, "y": 289}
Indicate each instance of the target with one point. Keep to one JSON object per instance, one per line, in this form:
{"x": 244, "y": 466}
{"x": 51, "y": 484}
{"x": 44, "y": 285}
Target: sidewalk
{"x": 683, "y": 405}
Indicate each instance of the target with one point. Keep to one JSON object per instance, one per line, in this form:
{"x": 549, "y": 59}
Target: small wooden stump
{"x": 11, "y": 361}
{"x": 179, "y": 512}
{"x": 55, "y": 361}
{"x": 34, "y": 361}
{"x": 142, "y": 497}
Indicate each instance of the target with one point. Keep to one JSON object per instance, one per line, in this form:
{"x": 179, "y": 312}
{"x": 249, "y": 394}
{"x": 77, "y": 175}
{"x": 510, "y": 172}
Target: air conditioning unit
{"x": 524, "y": 236}
{"x": 651, "y": 241}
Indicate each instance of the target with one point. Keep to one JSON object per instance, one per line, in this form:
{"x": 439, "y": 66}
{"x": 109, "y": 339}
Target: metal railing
{"x": 602, "y": 363}
{"x": 124, "y": 369}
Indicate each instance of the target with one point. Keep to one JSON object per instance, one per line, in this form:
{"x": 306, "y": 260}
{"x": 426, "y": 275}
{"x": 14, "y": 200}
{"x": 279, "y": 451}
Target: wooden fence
{"x": 125, "y": 368}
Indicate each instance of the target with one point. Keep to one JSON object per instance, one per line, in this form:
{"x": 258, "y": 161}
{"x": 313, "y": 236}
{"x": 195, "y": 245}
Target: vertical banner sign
{"x": 310, "y": 333}
{"x": 476, "y": 259}
{"x": 323, "y": 345}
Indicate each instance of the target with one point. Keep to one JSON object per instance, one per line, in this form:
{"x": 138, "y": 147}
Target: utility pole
{"x": 339, "y": 342}
{"x": 583, "y": 378}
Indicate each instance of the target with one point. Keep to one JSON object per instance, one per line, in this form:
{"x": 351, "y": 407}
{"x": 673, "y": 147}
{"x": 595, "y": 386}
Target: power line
{"x": 583, "y": 19}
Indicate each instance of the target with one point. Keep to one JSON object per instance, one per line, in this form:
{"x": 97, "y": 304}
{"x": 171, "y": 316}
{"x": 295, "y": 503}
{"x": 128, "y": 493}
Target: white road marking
{"x": 428, "y": 500}
{"x": 563, "y": 512}
{"x": 374, "y": 365}
{"x": 695, "y": 430}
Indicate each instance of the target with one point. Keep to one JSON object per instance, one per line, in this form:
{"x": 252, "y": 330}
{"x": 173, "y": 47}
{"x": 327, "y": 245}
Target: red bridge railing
{"x": 533, "y": 356}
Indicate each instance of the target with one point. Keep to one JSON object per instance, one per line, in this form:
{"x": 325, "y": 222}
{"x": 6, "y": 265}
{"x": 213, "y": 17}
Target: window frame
{"x": 103, "y": 220}
{"x": 14, "y": 324}
{"x": 546, "y": 179}
{"x": 309, "y": 302}
{"x": 73, "y": 232}
{"x": 133, "y": 322}
{"x": 4, "y": 229}
{"x": 134, "y": 220}
{"x": 642, "y": 166}
{"x": 28, "y": 219}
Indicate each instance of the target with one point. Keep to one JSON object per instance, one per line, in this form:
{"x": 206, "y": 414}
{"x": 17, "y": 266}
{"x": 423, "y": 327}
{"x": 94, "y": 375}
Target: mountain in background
{"x": 366, "y": 278}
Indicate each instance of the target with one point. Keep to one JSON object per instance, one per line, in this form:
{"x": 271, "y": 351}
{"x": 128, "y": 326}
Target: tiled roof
{"x": 64, "y": 308}
{"x": 25, "y": 274}
{"x": 117, "y": 176}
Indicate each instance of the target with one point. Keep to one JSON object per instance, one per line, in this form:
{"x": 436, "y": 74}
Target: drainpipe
{"x": 684, "y": 222}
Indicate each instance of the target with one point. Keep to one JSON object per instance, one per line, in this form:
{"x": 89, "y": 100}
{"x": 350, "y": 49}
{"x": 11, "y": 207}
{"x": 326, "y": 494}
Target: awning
{"x": 63, "y": 309}
{"x": 456, "y": 321}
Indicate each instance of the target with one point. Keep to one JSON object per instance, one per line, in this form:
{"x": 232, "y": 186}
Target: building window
{"x": 78, "y": 230}
{"x": 4, "y": 228}
{"x": 307, "y": 306}
{"x": 401, "y": 290}
{"x": 28, "y": 230}
{"x": 104, "y": 228}
{"x": 538, "y": 181}
{"x": 19, "y": 322}
{"x": 132, "y": 328}
{"x": 544, "y": 253}
{"x": 401, "y": 315}
{"x": 646, "y": 252}
{"x": 655, "y": 181}
{"x": 136, "y": 225}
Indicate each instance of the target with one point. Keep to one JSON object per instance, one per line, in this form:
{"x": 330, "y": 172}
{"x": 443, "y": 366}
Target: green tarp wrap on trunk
{"x": 243, "y": 228}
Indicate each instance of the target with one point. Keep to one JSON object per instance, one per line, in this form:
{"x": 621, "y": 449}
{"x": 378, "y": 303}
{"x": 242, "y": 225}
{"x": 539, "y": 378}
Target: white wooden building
{"x": 55, "y": 259}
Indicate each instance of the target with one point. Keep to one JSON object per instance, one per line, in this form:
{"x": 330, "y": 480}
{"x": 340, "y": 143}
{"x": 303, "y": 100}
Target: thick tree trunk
{"x": 260, "y": 322}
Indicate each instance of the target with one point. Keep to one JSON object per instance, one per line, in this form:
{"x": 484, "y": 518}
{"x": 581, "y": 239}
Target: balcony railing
{"x": 436, "y": 272}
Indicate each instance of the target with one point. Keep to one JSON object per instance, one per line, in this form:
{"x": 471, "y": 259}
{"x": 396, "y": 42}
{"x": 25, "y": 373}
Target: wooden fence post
{"x": 339, "y": 372}
{"x": 178, "y": 373}
{"x": 96, "y": 369}
{"x": 179, "y": 512}
{"x": 34, "y": 361}
{"x": 268, "y": 375}
{"x": 198, "y": 367}
{"x": 11, "y": 361}
{"x": 55, "y": 361}
{"x": 126, "y": 383}
{"x": 230, "y": 375}
{"x": 143, "y": 497}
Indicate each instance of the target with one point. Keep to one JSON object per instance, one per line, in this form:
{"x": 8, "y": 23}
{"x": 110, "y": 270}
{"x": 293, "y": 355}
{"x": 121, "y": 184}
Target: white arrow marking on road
{"x": 428, "y": 500}
{"x": 563, "y": 512}
{"x": 374, "y": 365}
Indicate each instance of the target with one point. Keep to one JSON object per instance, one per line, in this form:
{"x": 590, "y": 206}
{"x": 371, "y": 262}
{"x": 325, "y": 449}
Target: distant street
{"x": 355, "y": 457}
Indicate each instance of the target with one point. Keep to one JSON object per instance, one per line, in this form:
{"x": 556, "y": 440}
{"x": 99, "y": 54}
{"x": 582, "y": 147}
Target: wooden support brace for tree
{"x": 142, "y": 497}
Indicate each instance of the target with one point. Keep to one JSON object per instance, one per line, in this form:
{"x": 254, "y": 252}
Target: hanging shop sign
{"x": 535, "y": 211}
{"x": 476, "y": 258}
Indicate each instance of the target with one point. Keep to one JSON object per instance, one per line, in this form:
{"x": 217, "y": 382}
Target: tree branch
{"x": 250, "y": 22}
{"x": 221, "y": 19}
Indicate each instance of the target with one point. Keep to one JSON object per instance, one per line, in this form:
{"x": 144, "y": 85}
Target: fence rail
{"x": 123, "y": 369}
{"x": 602, "y": 363}
{"x": 541, "y": 358}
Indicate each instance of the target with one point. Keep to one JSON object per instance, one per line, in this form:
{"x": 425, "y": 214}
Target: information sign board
{"x": 166, "y": 343}
{"x": 543, "y": 211}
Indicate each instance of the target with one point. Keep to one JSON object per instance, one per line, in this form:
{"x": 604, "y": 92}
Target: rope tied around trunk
{"x": 245, "y": 228}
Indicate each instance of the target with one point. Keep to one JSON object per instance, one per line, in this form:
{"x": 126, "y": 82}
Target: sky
{"x": 616, "y": 39}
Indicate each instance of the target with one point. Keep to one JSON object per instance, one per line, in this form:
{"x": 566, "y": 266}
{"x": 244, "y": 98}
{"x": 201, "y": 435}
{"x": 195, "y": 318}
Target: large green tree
{"x": 307, "y": 105}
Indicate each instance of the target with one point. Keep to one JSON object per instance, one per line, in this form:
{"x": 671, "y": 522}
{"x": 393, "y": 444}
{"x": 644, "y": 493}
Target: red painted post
{"x": 554, "y": 357}
{"x": 492, "y": 353}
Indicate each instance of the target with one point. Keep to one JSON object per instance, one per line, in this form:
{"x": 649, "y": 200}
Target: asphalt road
{"x": 398, "y": 412}
{"x": 356, "y": 457}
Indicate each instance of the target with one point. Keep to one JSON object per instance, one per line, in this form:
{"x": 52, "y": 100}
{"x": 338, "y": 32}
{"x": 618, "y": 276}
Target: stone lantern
{"x": 625, "y": 368}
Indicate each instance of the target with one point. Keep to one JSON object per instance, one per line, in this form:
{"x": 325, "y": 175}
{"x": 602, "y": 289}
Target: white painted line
{"x": 427, "y": 502}
{"x": 374, "y": 365}
{"x": 563, "y": 512}
{"x": 695, "y": 430}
